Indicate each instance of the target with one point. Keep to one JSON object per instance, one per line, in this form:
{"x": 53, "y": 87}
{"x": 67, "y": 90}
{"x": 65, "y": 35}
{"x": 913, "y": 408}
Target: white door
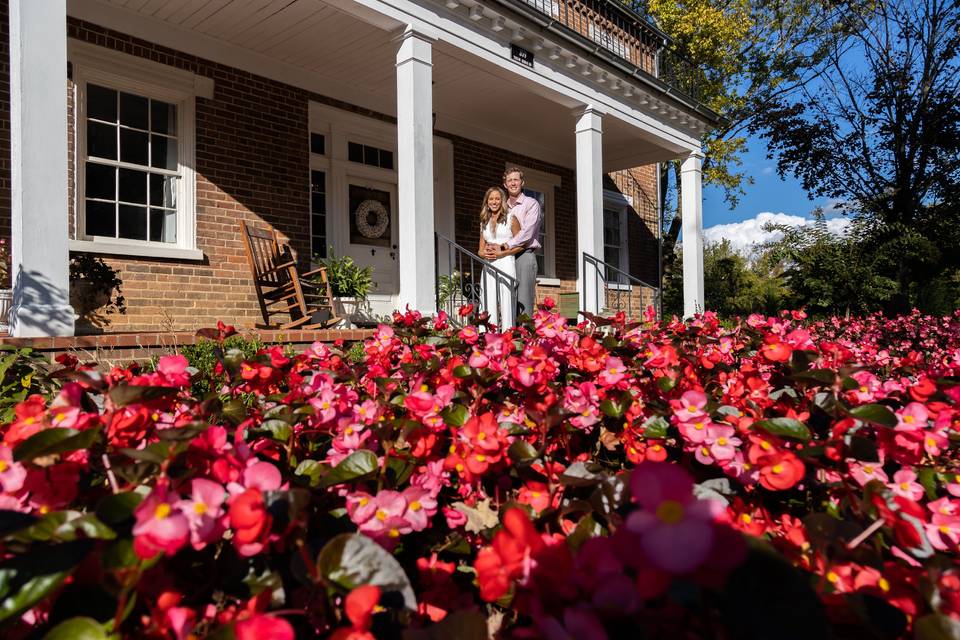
{"x": 370, "y": 229}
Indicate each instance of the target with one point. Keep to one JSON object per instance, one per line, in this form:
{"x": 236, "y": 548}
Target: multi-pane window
{"x": 132, "y": 166}
{"x": 613, "y": 243}
{"x": 372, "y": 156}
{"x": 318, "y": 213}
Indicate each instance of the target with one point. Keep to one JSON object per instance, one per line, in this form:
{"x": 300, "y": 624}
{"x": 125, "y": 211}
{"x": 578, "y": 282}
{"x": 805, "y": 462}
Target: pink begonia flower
{"x": 431, "y": 477}
{"x": 943, "y": 532}
{"x": 204, "y": 511}
{"x": 12, "y": 474}
{"x": 455, "y": 518}
{"x": 263, "y": 476}
{"x": 690, "y": 407}
{"x": 944, "y": 506}
{"x": 934, "y": 442}
{"x": 723, "y": 442}
{"x": 867, "y": 471}
{"x": 905, "y": 484}
{"x": 369, "y": 411}
{"x": 172, "y": 371}
{"x": 676, "y": 530}
{"x": 421, "y": 506}
{"x": 582, "y": 400}
{"x": 160, "y": 526}
{"x": 613, "y": 372}
{"x": 695, "y": 431}
{"x": 324, "y": 405}
{"x": 360, "y": 507}
{"x": 181, "y": 621}
{"x": 702, "y": 454}
{"x": 912, "y": 417}
{"x": 869, "y": 386}
{"x": 388, "y": 521}
{"x": 478, "y": 359}
{"x": 954, "y": 489}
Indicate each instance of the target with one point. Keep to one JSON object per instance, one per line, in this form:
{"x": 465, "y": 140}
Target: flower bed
{"x": 781, "y": 478}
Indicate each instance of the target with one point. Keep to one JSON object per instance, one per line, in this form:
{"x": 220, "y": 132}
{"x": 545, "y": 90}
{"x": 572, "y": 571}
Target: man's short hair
{"x": 512, "y": 170}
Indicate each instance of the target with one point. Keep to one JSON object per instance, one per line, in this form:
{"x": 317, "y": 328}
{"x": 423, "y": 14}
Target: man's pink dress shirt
{"x": 527, "y": 212}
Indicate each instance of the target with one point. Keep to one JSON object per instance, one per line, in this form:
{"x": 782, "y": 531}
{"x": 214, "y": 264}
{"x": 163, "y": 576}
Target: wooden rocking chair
{"x": 281, "y": 289}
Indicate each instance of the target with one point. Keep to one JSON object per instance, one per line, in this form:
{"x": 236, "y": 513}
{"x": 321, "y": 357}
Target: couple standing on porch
{"x": 509, "y": 231}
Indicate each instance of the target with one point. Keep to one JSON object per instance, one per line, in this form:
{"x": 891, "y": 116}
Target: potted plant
{"x": 6, "y": 293}
{"x": 351, "y": 284}
{"x": 94, "y": 292}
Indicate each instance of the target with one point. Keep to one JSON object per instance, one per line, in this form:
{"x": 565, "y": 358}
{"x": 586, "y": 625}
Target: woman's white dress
{"x": 501, "y": 314}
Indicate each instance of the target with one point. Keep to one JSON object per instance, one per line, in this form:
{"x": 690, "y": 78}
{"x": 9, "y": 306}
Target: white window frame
{"x": 545, "y": 183}
{"x": 122, "y": 72}
{"x": 616, "y": 201}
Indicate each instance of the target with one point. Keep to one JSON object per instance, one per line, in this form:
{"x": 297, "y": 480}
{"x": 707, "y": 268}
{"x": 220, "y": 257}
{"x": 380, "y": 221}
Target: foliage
{"x": 881, "y": 133}
{"x": 733, "y": 284}
{"x": 95, "y": 289}
{"x": 449, "y": 288}
{"x": 23, "y": 373}
{"x": 206, "y": 356}
{"x": 348, "y": 279}
{"x": 549, "y": 481}
{"x": 4, "y": 262}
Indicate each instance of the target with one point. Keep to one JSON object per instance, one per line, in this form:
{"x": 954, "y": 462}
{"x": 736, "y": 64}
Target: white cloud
{"x": 746, "y": 235}
{"x": 767, "y": 171}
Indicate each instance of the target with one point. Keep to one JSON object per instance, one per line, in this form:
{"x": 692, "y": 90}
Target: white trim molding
{"x": 130, "y": 74}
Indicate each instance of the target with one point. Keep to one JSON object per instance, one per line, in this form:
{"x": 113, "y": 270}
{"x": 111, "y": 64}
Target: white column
{"x": 38, "y": 140}
{"x": 415, "y": 171}
{"x": 590, "y": 207}
{"x": 691, "y": 203}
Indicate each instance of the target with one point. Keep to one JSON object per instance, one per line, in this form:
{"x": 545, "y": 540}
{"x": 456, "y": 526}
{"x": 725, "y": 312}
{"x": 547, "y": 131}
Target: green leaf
{"x": 351, "y": 560}
{"x": 785, "y": 427}
{"x": 462, "y": 625}
{"x": 77, "y": 629}
{"x": 27, "y": 579}
{"x": 357, "y": 465}
{"x": 666, "y": 383}
{"x": 66, "y": 526}
{"x": 612, "y": 408}
{"x": 118, "y": 507}
{"x": 875, "y": 413}
{"x": 936, "y": 626}
{"x": 130, "y": 394}
{"x": 156, "y": 453}
{"x": 119, "y": 555}
{"x": 462, "y": 371}
{"x": 11, "y": 521}
{"x": 455, "y": 415}
{"x": 279, "y": 430}
{"x": 522, "y": 452}
{"x": 310, "y": 469}
{"x": 655, "y": 427}
{"x": 186, "y": 432}
{"x": 864, "y": 449}
{"x": 582, "y": 474}
{"x": 400, "y": 469}
{"x": 927, "y": 476}
{"x": 54, "y": 440}
{"x": 234, "y": 410}
{"x": 823, "y": 376}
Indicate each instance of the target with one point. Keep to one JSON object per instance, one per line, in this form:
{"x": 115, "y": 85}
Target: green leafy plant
{"x": 448, "y": 288}
{"x": 203, "y": 357}
{"x": 23, "y": 373}
{"x": 95, "y": 290}
{"x": 347, "y": 278}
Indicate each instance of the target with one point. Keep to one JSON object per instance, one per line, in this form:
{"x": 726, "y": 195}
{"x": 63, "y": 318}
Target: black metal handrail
{"x": 614, "y": 280}
{"x": 460, "y": 279}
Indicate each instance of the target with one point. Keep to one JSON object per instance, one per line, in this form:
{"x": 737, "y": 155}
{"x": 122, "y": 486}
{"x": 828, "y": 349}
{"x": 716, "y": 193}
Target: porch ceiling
{"x": 314, "y": 45}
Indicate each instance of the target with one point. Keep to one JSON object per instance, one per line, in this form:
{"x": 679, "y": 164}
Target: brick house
{"x": 182, "y": 117}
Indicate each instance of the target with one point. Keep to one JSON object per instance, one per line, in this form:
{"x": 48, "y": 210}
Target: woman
{"x": 496, "y": 227}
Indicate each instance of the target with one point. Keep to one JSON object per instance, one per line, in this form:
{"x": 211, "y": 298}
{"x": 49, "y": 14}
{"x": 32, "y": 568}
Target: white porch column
{"x": 590, "y": 207}
{"x": 691, "y": 203}
{"x": 38, "y": 142}
{"x": 415, "y": 172}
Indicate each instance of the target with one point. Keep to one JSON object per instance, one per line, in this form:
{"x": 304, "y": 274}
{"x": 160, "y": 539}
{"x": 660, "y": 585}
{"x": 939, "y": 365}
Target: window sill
{"x": 619, "y": 286}
{"x": 142, "y": 251}
{"x": 548, "y": 282}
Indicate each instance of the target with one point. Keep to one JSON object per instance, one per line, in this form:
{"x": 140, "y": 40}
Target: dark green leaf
{"x": 54, "y": 440}
{"x": 119, "y": 555}
{"x": 455, "y": 415}
{"x": 400, "y": 470}
{"x": 65, "y": 526}
{"x": 864, "y": 449}
{"x": 612, "y": 408}
{"x": 666, "y": 383}
{"x": 234, "y": 410}
{"x": 351, "y": 560}
{"x": 582, "y": 474}
{"x": 11, "y": 521}
{"x": 77, "y": 629}
{"x": 27, "y": 579}
{"x": 310, "y": 469}
{"x": 927, "y": 476}
{"x": 129, "y": 394}
{"x": 784, "y": 427}
{"x": 118, "y": 507}
{"x": 462, "y": 371}
{"x": 357, "y": 465}
{"x": 156, "y": 453}
{"x": 279, "y": 430}
{"x": 655, "y": 427}
{"x": 522, "y": 452}
{"x": 186, "y": 432}
{"x": 875, "y": 413}
{"x": 823, "y": 376}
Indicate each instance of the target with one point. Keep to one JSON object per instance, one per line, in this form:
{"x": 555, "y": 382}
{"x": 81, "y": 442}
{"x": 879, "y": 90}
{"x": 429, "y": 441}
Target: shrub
{"x": 206, "y": 357}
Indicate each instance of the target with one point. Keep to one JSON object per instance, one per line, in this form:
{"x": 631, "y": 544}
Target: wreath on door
{"x": 372, "y": 218}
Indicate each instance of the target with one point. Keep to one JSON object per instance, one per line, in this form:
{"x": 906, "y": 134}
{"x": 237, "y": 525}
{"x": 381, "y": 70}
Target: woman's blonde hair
{"x": 485, "y": 211}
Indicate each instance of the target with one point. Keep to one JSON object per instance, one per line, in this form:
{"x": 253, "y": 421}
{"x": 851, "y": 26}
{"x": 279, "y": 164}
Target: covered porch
{"x": 408, "y": 86}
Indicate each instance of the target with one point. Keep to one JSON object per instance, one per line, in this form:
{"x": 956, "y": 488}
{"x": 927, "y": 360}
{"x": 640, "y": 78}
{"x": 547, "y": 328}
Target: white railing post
{"x": 691, "y": 202}
{"x": 415, "y": 172}
{"x": 589, "y": 133}
{"x": 39, "y": 270}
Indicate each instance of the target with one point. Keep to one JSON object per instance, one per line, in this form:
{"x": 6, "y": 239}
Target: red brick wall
{"x": 252, "y": 160}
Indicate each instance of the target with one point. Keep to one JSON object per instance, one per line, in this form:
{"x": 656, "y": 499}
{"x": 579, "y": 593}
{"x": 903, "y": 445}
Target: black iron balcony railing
{"x": 618, "y": 291}
{"x": 614, "y": 28}
{"x": 465, "y": 278}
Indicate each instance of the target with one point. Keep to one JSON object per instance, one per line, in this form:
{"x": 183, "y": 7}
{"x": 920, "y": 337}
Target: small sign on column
{"x": 521, "y": 55}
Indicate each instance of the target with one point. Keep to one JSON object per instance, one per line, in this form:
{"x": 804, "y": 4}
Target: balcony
{"x": 625, "y": 38}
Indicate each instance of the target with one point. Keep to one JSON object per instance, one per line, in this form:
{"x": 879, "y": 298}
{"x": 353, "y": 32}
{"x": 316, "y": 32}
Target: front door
{"x": 371, "y": 230}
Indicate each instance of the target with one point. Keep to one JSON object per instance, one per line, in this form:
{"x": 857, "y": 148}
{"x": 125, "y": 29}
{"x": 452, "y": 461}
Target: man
{"x": 527, "y": 212}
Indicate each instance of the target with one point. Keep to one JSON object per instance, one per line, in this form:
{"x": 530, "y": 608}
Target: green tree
{"x": 881, "y": 131}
